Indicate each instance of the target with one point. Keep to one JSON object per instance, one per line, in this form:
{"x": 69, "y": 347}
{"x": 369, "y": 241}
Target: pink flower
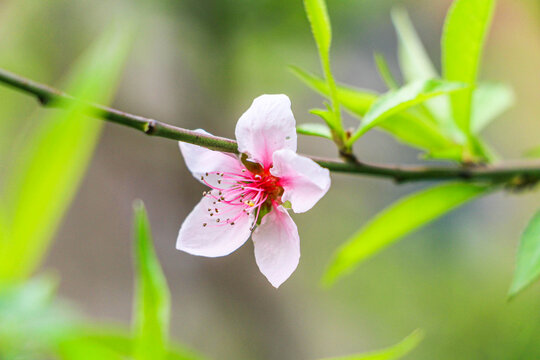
{"x": 251, "y": 192}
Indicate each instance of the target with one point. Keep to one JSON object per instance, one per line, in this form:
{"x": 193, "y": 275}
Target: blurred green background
{"x": 199, "y": 64}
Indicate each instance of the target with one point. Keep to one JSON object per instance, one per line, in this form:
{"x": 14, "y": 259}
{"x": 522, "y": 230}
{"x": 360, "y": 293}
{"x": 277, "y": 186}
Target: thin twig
{"x": 517, "y": 174}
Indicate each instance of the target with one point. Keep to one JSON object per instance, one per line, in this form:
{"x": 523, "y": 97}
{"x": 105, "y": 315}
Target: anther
{"x": 204, "y": 224}
{"x": 202, "y": 177}
{"x": 206, "y": 174}
{"x": 232, "y": 223}
{"x": 218, "y": 220}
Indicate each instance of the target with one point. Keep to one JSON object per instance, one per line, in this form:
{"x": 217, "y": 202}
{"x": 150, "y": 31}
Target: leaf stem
{"x": 514, "y": 174}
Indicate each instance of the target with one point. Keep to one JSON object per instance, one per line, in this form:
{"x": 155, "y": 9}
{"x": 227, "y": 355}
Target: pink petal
{"x": 277, "y": 246}
{"x": 268, "y": 125}
{"x": 304, "y": 181}
{"x": 214, "y": 238}
{"x": 200, "y": 161}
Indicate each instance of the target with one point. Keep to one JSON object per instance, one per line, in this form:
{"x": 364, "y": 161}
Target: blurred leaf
{"x": 48, "y": 173}
{"x": 406, "y": 127}
{"x": 152, "y": 305}
{"x": 533, "y": 153}
{"x": 413, "y": 58}
{"x": 116, "y": 342}
{"x": 80, "y": 348}
{"x": 489, "y": 102}
{"x": 398, "y": 220}
{"x": 416, "y": 65}
{"x": 399, "y": 100}
{"x": 32, "y": 322}
{"x": 466, "y": 26}
{"x": 384, "y": 71}
{"x": 395, "y": 352}
{"x": 528, "y": 257}
{"x": 314, "y": 130}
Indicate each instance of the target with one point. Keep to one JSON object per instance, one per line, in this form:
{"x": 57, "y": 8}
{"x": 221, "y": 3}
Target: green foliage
{"x": 32, "y": 322}
{"x": 47, "y": 174}
{"x": 317, "y": 15}
{"x": 490, "y": 100}
{"x": 404, "y": 98}
{"x": 113, "y": 343}
{"x": 395, "y": 352}
{"x": 152, "y": 304}
{"x": 384, "y": 71}
{"x": 397, "y": 221}
{"x": 464, "y": 33}
{"x": 416, "y": 65}
{"x": 314, "y": 130}
{"x": 405, "y": 126}
{"x": 528, "y": 257}
{"x": 414, "y": 61}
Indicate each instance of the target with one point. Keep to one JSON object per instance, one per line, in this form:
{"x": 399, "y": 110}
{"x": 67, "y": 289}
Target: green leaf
{"x": 416, "y": 65}
{"x": 413, "y": 58}
{"x": 319, "y": 20}
{"x": 395, "y": 352}
{"x": 49, "y": 171}
{"x": 402, "y": 99}
{"x": 116, "y": 342}
{"x": 466, "y": 26}
{"x": 528, "y": 257}
{"x": 314, "y": 130}
{"x": 398, "y": 220}
{"x": 490, "y": 101}
{"x": 152, "y": 304}
{"x": 406, "y": 127}
{"x": 533, "y": 153}
{"x": 384, "y": 71}
{"x": 32, "y": 322}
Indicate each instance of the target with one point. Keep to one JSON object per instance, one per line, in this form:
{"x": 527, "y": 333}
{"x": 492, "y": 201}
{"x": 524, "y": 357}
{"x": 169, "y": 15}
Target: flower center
{"x": 240, "y": 194}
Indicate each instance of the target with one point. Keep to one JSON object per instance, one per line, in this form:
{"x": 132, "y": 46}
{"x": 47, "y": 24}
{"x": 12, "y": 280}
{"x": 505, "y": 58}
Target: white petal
{"x": 214, "y": 238}
{"x": 200, "y": 161}
{"x": 277, "y": 246}
{"x": 304, "y": 181}
{"x": 268, "y": 125}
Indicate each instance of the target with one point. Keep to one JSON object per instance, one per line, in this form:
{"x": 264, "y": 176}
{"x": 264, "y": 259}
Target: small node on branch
{"x": 150, "y": 127}
{"x": 44, "y": 100}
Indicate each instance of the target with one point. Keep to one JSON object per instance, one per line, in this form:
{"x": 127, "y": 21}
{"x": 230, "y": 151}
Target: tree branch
{"x": 517, "y": 174}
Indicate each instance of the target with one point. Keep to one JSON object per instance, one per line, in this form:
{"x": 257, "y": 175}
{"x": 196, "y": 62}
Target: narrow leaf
{"x": 395, "y": 352}
{"x": 320, "y": 26}
{"x": 397, "y": 101}
{"x": 314, "y": 130}
{"x": 397, "y": 221}
{"x": 413, "y": 58}
{"x": 317, "y": 14}
{"x": 152, "y": 302}
{"x": 528, "y": 257}
{"x": 490, "y": 101}
{"x": 384, "y": 71}
{"x": 466, "y": 26}
{"x": 48, "y": 173}
{"x": 416, "y": 65}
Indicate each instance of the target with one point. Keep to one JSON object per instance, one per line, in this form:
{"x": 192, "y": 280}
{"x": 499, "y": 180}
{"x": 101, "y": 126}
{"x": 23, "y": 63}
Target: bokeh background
{"x": 199, "y": 64}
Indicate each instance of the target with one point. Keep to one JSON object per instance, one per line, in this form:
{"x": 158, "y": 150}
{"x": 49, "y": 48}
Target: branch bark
{"x": 516, "y": 174}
